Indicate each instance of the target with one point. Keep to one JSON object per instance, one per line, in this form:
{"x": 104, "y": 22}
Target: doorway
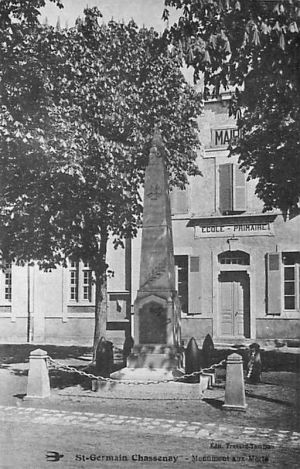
{"x": 234, "y": 301}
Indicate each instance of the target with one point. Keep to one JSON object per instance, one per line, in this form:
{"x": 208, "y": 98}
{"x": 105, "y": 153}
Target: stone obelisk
{"x": 157, "y": 307}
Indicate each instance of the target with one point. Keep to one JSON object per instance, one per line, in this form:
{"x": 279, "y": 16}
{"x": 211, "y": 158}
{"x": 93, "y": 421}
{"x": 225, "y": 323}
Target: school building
{"x": 237, "y": 268}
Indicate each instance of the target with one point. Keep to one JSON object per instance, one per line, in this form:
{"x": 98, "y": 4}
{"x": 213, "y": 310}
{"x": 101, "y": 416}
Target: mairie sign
{"x": 223, "y": 137}
{"x": 239, "y": 229}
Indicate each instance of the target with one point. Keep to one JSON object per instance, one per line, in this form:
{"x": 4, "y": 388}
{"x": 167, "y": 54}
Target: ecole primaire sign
{"x": 241, "y": 229}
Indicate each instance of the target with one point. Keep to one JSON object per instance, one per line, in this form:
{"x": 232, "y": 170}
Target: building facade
{"x": 57, "y": 307}
{"x": 237, "y": 268}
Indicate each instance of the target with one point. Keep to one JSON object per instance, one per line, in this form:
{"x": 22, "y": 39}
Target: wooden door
{"x": 234, "y": 304}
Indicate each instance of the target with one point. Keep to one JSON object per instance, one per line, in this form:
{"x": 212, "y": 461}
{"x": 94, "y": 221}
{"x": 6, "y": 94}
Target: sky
{"x": 144, "y": 12}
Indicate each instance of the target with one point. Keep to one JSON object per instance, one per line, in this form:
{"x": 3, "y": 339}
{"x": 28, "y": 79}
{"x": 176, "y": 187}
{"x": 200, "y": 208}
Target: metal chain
{"x": 251, "y": 365}
{"x": 71, "y": 369}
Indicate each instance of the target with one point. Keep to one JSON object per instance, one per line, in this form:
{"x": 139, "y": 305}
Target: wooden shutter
{"x": 194, "y": 285}
{"x": 225, "y": 185}
{"x": 232, "y": 183}
{"x": 273, "y": 283}
{"x": 182, "y": 281}
{"x": 179, "y": 201}
{"x": 239, "y": 190}
{"x": 19, "y": 301}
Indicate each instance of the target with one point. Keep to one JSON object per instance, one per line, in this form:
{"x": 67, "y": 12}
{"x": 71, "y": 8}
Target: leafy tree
{"x": 15, "y": 13}
{"x": 255, "y": 46}
{"x": 79, "y": 107}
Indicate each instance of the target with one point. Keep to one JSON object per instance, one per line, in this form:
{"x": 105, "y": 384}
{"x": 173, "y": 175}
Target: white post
{"x": 38, "y": 385}
{"x": 234, "y": 388}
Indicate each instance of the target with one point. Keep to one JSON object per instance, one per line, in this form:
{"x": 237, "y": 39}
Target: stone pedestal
{"x": 38, "y": 377}
{"x": 166, "y": 357}
{"x": 157, "y": 331}
{"x": 234, "y": 389}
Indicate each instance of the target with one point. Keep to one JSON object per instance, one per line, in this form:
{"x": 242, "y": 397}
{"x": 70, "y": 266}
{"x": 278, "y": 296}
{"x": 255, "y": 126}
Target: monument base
{"x": 146, "y": 374}
{"x": 146, "y": 383}
{"x": 163, "y": 391}
{"x": 152, "y": 362}
{"x": 156, "y": 356}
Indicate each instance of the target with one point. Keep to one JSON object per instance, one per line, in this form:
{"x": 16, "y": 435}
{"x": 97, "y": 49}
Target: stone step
{"x": 141, "y": 384}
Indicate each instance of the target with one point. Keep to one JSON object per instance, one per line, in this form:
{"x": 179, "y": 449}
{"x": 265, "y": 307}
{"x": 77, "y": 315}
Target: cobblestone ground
{"x": 211, "y": 431}
{"x": 35, "y": 437}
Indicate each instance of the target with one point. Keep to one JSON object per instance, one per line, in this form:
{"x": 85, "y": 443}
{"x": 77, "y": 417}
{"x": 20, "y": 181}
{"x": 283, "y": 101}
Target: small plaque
{"x": 153, "y": 324}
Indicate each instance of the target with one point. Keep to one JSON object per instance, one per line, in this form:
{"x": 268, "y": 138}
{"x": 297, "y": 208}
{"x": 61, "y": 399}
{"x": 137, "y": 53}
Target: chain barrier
{"x": 251, "y": 364}
{"x": 71, "y": 369}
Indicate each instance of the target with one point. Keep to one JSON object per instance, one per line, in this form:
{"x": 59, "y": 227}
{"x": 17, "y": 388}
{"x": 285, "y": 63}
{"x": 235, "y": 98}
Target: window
{"x": 5, "y": 283}
{"x": 182, "y": 273}
{"x": 7, "y": 274}
{"x": 74, "y": 281}
{"x": 291, "y": 266}
{"x": 232, "y": 189}
{"x": 87, "y": 283}
{"x": 80, "y": 282}
{"x": 234, "y": 257}
{"x": 188, "y": 283}
{"x": 283, "y": 282}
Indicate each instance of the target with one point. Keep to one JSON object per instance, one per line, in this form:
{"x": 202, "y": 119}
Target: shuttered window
{"x": 239, "y": 192}
{"x": 179, "y": 200}
{"x": 194, "y": 285}
{"x": 188, "y": 284}
{"x": 273, "y": 284}
{"x": 232, "y": 189}
{"x": 182, "y": 276}
{"x": 291, "y": 280}
{"x": 283, "y": 282}
{"x": 226, "y": 194}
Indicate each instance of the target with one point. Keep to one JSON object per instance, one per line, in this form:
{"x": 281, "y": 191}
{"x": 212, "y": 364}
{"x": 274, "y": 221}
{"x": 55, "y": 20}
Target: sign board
{"x": 222, "y": 137}
{"x": 240, "y": 229}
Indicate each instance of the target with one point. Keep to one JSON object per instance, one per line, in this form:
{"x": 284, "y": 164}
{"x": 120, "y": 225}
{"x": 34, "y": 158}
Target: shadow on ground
{"x": 19, "y": 353}
{"x": 15, "y": 359}
{"x": 61, "y": 379}
{"x": 216, "y": 403}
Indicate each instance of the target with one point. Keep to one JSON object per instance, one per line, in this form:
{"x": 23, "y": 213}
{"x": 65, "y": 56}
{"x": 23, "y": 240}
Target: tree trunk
{"x": 101, "y": 295}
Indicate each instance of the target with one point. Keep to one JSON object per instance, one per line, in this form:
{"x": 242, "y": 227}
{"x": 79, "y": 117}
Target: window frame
{"x": 6, "y": 273}
{"x": 186, "y": 259}
{"x": 295, "y": 281}
{"x": 84, "y": 291}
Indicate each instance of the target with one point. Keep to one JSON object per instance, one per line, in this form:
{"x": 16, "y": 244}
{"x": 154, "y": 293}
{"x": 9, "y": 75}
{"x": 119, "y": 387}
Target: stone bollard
{"x": 38, "y": 385}
{"x": 234, "y": 387}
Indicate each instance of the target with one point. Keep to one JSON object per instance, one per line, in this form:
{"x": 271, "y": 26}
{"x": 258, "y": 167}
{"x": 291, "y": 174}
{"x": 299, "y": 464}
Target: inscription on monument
{"x": 153, "y": 319}
{"x": 154, "y": 192}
